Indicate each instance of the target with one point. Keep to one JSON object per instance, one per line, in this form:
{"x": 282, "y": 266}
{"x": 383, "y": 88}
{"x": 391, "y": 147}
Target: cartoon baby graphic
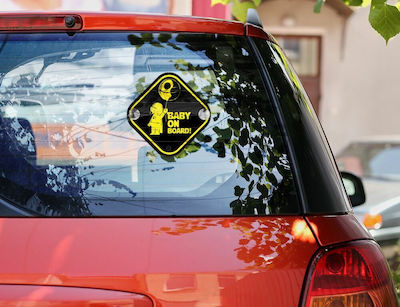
{"x": 156, "y": 122}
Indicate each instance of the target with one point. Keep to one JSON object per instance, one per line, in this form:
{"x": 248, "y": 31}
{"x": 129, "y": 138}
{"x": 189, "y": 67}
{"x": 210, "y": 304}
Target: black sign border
{"x": 144, "y": 94}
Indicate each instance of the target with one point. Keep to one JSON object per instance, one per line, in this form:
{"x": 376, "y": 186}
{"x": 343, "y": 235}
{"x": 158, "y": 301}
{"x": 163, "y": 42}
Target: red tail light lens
{"x": 354, "y": 275}
{"x": 40, "y": 22}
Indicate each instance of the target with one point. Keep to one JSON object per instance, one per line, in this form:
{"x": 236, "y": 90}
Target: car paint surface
{"x": 101, "y": 21}
{"x": 203, "y": 261}
{"x": 172, "y": 260}
{"x": 53, "y": 296}
{"x": 333, "y": 229}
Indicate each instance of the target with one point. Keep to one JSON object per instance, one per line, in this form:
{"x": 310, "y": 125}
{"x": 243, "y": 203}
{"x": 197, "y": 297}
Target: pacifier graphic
{"x": 169, "y": 90}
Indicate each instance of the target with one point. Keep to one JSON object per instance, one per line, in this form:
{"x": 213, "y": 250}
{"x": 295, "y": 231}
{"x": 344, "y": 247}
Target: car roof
{"x": 122, "y": 21}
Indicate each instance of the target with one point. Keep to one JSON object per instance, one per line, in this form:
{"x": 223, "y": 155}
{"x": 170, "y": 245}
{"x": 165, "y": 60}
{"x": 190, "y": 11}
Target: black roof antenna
{"x": 253, "y": 18}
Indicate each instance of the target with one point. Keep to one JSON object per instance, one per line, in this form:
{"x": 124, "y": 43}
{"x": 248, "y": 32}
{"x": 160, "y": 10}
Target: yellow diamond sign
{"x": 168, "y": 114}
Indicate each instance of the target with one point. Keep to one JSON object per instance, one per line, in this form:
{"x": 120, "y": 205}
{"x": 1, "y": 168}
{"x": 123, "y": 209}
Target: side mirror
{"x": 354, "y": 188}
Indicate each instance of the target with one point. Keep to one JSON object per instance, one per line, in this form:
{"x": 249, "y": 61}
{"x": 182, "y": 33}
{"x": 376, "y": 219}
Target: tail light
{"x": 354, "y": 275}
{"x": 372, "y": 221}
{"x": 40, "y": 22}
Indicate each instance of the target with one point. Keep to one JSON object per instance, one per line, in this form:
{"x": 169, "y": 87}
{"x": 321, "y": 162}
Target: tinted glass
{"x": 67, "y": 148}
{"x": 324, "y": 191}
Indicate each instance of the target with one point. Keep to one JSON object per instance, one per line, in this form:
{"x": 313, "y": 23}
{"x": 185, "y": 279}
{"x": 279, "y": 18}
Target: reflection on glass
{"x": 68, "y": 150}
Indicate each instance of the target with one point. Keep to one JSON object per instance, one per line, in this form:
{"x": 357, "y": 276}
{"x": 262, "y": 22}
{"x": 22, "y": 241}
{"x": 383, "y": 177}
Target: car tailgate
{"x": 175, "y": 261}
{"x": 346, "y": 228}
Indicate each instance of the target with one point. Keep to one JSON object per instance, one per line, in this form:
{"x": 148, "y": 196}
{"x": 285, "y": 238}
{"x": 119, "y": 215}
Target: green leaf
{"x": 236, "y": 206}
{"x": 366, "y": 3}
{"x": 181, "y": 154}
{"x": 219, "y": 147}
{"x": 263, "y": 189}
{"x": 164, "y": 37}
{"x": 193, "y": 147}
{"x": 151, "y": 155}
{"x": 241, "y": 157}
{"x": 385, "y": 19}
{"x": 235, "y": 124}
{"x": 353, "y": 2}
{"x": 251, "y": 186}
{"x": 256, "y": 156}
{"x": 379, "y": 2}
{"x": 156, "y": 44}
{"x": 244, "y": 137}
{"x": 135, "y": 40}
{"x": 238, "y": 191}
{"x": 204, "y": 138}
{"x": 168, "y": 158}
{"x": 224, "y": 134}
{"x": 224, "y": 2}
{"x": 239, "y": 9}
{"x": 251, "y": 203}
{"x": 174, "y": 46}
{"x": 272, "y": 179}
{"x": 147, "y": 37}
{"x": 234, "y": 150}
{"x": 318, "y": 6}
{"x": 247, "y": 171}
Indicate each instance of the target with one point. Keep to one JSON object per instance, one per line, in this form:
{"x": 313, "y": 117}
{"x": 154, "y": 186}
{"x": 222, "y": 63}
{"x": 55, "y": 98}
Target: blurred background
{"x": 349, "y": 73}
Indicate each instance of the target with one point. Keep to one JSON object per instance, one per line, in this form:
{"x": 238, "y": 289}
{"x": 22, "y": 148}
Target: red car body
{"x": 164, "y": 261}
{"x": 212, "y": 261}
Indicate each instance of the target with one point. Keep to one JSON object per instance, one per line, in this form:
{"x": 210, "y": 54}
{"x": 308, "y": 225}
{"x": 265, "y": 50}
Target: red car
{"x": 169, "y": 161}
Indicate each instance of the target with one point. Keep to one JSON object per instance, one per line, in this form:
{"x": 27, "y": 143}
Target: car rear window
{"x": 72, "y": 144}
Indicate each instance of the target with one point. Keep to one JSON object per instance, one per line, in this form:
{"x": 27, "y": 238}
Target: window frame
{"x": 333, "y": 204}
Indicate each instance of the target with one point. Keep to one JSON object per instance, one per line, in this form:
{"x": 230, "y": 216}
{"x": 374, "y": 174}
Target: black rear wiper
{"x": 64, "y": 58}
{"x": 3, "y": 44}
